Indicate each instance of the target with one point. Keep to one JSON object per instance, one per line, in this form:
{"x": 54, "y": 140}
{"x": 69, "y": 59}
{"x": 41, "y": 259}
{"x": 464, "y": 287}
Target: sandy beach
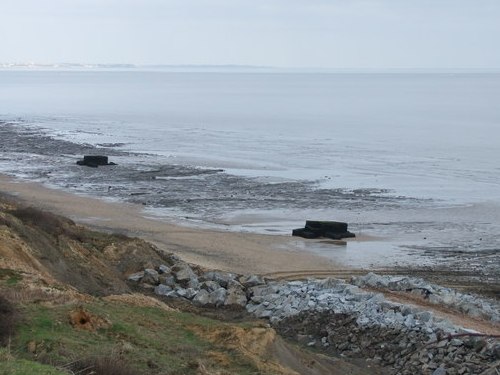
{"x": 276, "y": 256}
{"x": 229, "y": 251}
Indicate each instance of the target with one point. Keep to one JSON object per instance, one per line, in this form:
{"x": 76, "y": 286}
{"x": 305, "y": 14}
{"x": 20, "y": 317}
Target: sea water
{"x": 411, "y": 156}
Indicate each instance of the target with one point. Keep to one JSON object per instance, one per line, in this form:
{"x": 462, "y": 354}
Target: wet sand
{"x": 229, "y": 251}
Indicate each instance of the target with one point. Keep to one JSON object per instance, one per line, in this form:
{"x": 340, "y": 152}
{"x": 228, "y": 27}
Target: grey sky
{"x": 288, "y": 33}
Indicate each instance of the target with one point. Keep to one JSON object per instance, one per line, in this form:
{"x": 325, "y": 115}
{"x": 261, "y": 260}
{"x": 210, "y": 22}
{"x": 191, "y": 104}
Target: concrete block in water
{"x": 334, "y": 230}
{"x": 94, "y": 161}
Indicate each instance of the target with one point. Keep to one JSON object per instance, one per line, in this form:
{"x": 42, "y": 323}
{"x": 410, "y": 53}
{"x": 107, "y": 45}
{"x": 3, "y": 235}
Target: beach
{"x": 230, "y": 251}
{"x": 220, "y": 168}
{"x": 276, "y": 256}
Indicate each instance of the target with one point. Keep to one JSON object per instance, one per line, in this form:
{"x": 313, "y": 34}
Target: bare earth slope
{"x": 58, "y": 250}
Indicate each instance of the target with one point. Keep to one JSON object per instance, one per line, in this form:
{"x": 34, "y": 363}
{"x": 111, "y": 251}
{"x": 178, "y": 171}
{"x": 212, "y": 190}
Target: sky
{"x": 353, "y": 34}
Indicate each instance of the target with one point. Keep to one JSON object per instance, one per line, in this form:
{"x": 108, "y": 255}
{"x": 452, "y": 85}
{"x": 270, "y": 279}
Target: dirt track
{"x": 460, "y": 280}
{"x": 451, "y": 279}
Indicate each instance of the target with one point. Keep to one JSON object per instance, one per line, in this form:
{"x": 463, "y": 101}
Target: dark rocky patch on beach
{"x": 148, "y": 180}
{"x": 18, "y": 138}
{"x": 206, "y": 194}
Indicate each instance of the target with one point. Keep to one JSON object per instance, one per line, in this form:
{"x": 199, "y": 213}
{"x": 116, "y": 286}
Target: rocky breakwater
{"x": 435, "y": 294}
{"x": 338, "y": 317}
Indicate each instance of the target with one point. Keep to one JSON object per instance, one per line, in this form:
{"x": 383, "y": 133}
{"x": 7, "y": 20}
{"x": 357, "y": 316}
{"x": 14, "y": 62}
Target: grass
{"x": 8, "y": 320}
{"x": 24, "y": 367}
{"x": 37, "y": 330}
{"x": 10, "y": 277}
{"x": 104, "y": 365}
{"x": 56, "y": 225}
{"x": 46, "y": 221}
{"x": 147, "y": 339}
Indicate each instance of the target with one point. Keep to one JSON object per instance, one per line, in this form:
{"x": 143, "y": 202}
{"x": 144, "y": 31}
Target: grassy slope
{"x": 13, "y": 366}
{"x": 44, "y": 258}
{"x": 149, "y": 339}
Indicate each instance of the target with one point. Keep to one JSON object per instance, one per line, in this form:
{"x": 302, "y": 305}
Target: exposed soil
{"x": 303, "y": 362}
{"x": 273, "y": 354}
{"x": 138, "y": 299}
{"x": 58, "y": 250}
{"x": 83, "y": 319}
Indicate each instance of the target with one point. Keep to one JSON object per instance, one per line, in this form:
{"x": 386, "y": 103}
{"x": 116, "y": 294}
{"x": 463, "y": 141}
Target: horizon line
{"x": 74, "y": 65}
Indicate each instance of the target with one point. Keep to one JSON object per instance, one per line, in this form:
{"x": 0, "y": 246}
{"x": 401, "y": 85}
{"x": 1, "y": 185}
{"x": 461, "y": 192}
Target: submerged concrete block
{"x": 334, "y": 230}
{"x": 94, "y": 161}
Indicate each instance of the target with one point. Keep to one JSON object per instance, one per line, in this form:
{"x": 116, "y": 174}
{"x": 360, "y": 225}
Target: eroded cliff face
{"x": 54, "y": 250}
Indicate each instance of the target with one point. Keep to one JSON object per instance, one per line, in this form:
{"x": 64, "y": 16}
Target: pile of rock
{"x": 436, "y": 294}
{"x": 212, "y": 288}
{"x": 335, "y": 315}
{"x": 401, "y": 351}
{"x": 344, "y": 318}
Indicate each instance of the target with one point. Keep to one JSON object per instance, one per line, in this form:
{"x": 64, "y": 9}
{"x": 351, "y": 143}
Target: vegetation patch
{"x": 10, "y": 277}
{"x": 15, "y": 366}
{"x": 103, "y": 365}
{"x": 139, "y": 339}
{"x": 8, "y": 320}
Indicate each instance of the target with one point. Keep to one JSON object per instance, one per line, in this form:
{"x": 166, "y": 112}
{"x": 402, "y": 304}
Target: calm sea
{"x": 376, "y": 150}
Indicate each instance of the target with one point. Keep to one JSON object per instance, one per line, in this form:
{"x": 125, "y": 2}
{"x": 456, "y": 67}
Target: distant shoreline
{"x": 229, "y": 68}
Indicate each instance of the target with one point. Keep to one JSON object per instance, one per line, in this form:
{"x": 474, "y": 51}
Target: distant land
{"x": 229, "y": 68}
{"x": 120, "y": 66}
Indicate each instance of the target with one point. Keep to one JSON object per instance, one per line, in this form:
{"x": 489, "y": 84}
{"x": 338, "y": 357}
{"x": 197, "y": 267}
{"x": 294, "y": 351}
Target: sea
{"x": 408, "y": 159}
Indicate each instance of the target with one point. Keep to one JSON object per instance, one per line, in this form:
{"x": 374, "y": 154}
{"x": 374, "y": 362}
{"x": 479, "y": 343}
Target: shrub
{"x": 105, "y": 365}
{"x": 36, "y": 295}
{"x": 8, "y": 320}
{"x": 43, "y": 220}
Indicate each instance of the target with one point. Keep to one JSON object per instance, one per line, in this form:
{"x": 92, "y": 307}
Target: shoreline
{"x": 273, "y": 256}
{"x": 229, "y": 251}
{"x": 270, "y": 255}
{"x": 411, "y": 233}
